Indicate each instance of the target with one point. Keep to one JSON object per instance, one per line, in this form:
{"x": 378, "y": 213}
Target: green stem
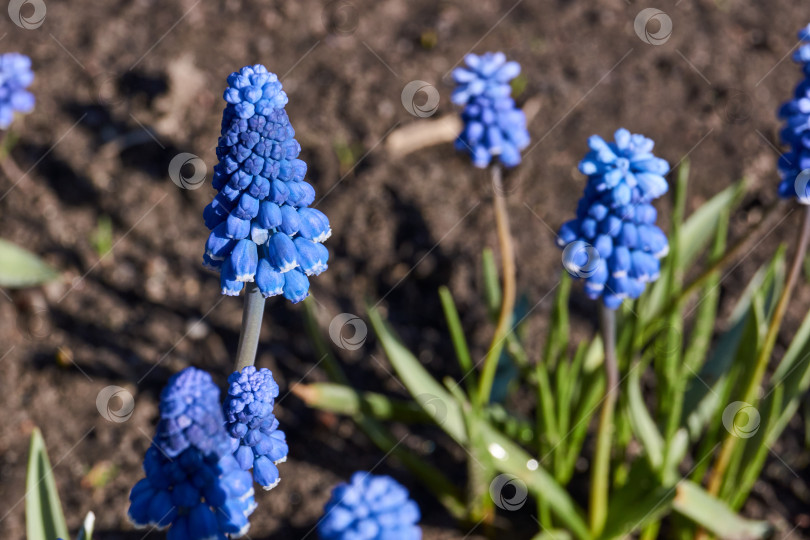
{"x": 752, "y": 390}
{"x": 600, "y": 472}
{"x": 508, "y": 302}
{"x": 251, "y": 327}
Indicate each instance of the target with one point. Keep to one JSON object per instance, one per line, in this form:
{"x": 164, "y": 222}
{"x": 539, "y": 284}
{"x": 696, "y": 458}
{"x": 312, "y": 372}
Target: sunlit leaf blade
{"x": 693, "y": 502}
{"x": 20, "y": 268}
{"x": 44, "y": 519}
{"x": 427, "y": 391}
{"x": 642, "y": 423}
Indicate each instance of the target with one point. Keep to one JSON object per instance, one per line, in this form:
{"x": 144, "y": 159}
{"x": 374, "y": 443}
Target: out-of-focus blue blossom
{"x": 794, "y": 165}
{"x": 257, "y": 442}
{"x": 614, "y": 244}
{"x": 262, "y": 229}
{"x": 15, "y": 76}
{"x": 193, "y": 485}
{"x": 493, "y": 125}
{"x": 370, "y": 507}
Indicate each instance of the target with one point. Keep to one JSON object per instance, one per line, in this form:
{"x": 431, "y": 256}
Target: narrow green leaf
{"x": 698, "y": 230}
{"x": 20, "y": 268}
{"x": 693, "y": 502}
{"x": 459, "y": 341}
{"x": 492, "y": 286}
{"x": 44, "y": 519}
{"x": 342, "y": 399}
{"x": 428, "y": 392}
{"x": 511, "y": 459}
{"x": 642, "y": 423}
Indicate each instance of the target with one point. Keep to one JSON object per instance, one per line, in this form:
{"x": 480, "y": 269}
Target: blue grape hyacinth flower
{"x": 493, "y": 125}
{"x": 614, "y": 244}
{"x": 370, "y": 507}
{"x": 15, "y": 76}
{"x": 794, "y": 165}
{"x": 257, "y": 443}
{"x": 262, "y": 228}
{"x": 193, "y": 485}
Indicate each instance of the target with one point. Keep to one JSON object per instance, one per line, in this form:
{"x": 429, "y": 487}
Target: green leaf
{"x": 44, "y": 519}
{"x": 492, "y": 287}
{"x": 20, "y": 268}
{"x": 342, "y": 399}
{"x": 86, "y": 532}
{"x": 698, "y": 230}
{"x": 642, "y": 423}
{"x": 693, "y": 502}
{"x": 511, "y": 459}
{"x": 427, "y": 391}
{"x": 457, "y": 336}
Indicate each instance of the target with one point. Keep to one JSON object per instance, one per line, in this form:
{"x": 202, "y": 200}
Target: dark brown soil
{"x": 123, "y": 87}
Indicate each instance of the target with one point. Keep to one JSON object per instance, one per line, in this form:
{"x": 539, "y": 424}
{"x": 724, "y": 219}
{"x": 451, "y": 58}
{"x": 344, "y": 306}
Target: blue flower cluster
{"x": 193, "y": 483}
{"x": 493, "y": 125}
{"x": 262, "y": 228}
{"x": 15, "y": 76}
{"x": 258, "y": 444}
{"x": 794, "y": 165}
{"x": 370, "y": 508}
{"x": 614, "y": 243}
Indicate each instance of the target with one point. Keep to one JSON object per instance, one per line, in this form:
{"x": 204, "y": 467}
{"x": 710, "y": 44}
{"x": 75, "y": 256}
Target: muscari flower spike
{"x": 493, "y": 125}
{"x": 370, "y": 508}
{"x": 193, "y": 485}
{"x": 15, "y": 76}
{"x": 262, "y": 228}
{"x": 614, "y": 243}
{"x": 794, "y": 165}
{"x": 257, "y": 443}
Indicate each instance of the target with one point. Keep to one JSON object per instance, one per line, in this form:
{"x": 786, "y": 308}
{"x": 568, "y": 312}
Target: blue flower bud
{"x": 244, "y": 259}
{"x": 281, "y": 252}
{"x": 312, "y": 256}
{"x": 313, "y": 225}
{"x": 296, "y": 286}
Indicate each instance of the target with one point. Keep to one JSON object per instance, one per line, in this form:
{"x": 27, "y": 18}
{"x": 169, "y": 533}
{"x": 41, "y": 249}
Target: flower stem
{"x": 502, "y": 328}
{"x": 751, "y": 392}
{"x": 600, "y": 472}
{"x": 251, "y": 327}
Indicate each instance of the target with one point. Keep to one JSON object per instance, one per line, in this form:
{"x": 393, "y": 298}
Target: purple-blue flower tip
{"x": 794, "y": 165}
{"x": 372, "y": 507}
{"x": 256, "y": 441}
{"x": 614, "y": 244}
{"x": 262, "y": 229}
{"x": 16, "y": 75}
{"x": 193, "y": 485}
{"x": 493, "y": 125}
